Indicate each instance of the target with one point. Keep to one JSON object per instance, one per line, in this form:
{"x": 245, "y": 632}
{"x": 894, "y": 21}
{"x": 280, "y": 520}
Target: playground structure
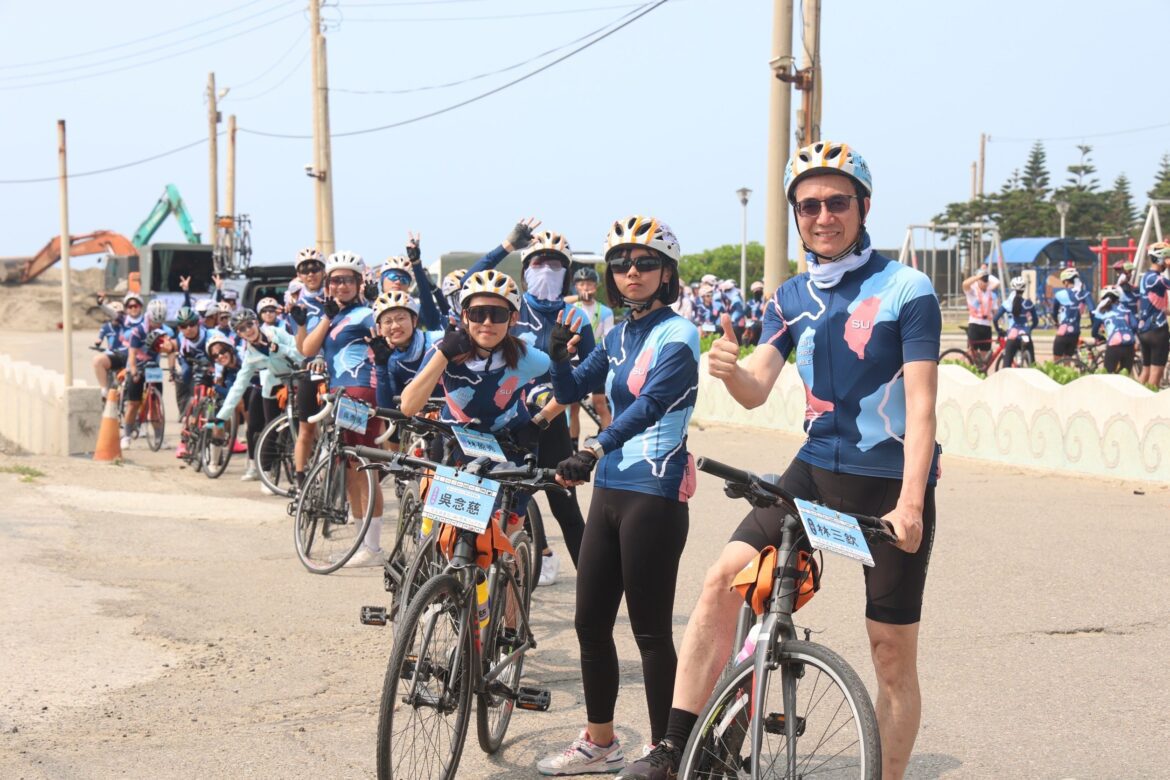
{"x": 948, "y": 271}
{"x": 1154, "y": 224}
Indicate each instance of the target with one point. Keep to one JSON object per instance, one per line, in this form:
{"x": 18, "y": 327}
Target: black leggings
{"x": 632, "y": 545}
{"x": 555, "y": 446}
{"x": 1118, "y": 358}
{"x": 1014, "y": 345}
{"x": 260, "y": 411}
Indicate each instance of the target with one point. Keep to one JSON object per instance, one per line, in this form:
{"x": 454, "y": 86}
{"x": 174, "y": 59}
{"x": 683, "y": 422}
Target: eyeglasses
{"x": 397, "y": 276}
{"x": 245, "y": 326}
{"x": 343, "y": 281}
{"x": 311, "y": 268}
{"x": 620, "y": 264}
{"x": 220, "y": 353}
{"x": 480, "y": 314}
{"x": 811, "y": 207}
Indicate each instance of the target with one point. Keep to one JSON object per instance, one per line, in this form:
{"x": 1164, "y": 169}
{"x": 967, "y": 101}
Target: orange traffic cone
{"x": 109, "y": 444}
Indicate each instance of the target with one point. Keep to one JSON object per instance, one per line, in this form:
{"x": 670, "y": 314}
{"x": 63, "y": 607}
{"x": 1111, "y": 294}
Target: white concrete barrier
{"x": 1103, "y": 425}
{"x": 38, "y": 414}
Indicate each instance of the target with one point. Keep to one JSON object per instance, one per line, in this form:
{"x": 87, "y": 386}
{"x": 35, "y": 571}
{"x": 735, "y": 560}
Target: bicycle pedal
{"x": 374, "y": 616}
{"x": 774, "y": 723}
{"x": 535, "y": 699}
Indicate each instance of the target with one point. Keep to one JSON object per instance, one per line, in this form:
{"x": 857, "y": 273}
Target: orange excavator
{"x": 99, "y": 242}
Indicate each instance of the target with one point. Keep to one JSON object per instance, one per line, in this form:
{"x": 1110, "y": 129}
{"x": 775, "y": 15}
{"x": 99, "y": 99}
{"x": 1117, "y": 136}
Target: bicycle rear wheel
{"x": 153, "y": 417}
{"x": 326, "y": 533}
{"x": 215, "y": 455}
{"x": 956, "y": 355}
{"x": 426, "y": 696}
{"x": 274, "y": 454}
{"x": 508, "y": 614}
{"x": 836, "y": 733}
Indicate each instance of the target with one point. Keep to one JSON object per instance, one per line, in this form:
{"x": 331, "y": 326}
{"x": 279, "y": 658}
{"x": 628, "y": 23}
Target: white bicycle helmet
{"x": 1068, "y": 274}
{"x": 218, "y": 338}
{"x": 710, "y": 279}
{"x": 1109, "y": 291}
{"x": 706, "y": 289}
{"x": 202, "y": 305}
{"x": 757, "y": 286}
{"x": 548, "y": 243}
{"x": 452, "y": 283}
{"x": 345, "y": 261}
{"x": 727, "y": 285}
{"x": 308, "y": 255}
{"x": 490, "y": 282}
{"x": 131, "y": 296}
{"x": 266, "y": 303}
{"x": 395, "y": 299}
{"x": 223, "y": 307}
{"x": 826, "y": 157}
{"x": 116, "y": 307}
{"x": 1018, "y": 284}
{"x": 156, "y": 311}
{"x": 1160, "y": 251}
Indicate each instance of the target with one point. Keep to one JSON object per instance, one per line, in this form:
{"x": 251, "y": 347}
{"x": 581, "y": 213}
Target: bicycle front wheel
{"x": 835, "y": 729}
{"x": 153, "y": 417}
{"x": 274, "y": 452}
{"x": 426, "y": 696}
{"x": 327, "y": 534}
{"x": 215, "y": 455}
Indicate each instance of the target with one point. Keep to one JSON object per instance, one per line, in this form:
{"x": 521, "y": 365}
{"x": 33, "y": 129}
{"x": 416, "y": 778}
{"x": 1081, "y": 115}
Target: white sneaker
{"x": 549, "y": 566}
{"x": 267, "y": 490}
{"x": 125, "y": 442}
{"x": 251, "y": 474}
{"x": 584, "y": 757}
{"x": 365, "y": 557}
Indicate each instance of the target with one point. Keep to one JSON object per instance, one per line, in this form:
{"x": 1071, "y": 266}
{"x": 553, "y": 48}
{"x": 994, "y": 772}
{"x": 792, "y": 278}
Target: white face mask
{"x": 545, "y": 282}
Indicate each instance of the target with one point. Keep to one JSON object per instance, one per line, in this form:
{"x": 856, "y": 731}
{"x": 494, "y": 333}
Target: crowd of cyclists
{"x": 519, "y": 358}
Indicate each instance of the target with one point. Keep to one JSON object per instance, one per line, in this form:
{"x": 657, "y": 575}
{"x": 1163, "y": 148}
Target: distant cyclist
{"x": 450, "y": 289}
{"x": 638, "y": 517}
{"x": 1119, "y": 326}
{"x": 146, "y": 341}
{"x": 600, "y": 316}
{"x": 1067, "y": 306}
{"x": 755, "y": 314}
{"x": 112, "y": 328}
{"x": 114, "y": 358}
{"x": 1020, "y": 313}
{"x": 1125, "y": 286}
{"x": 1153, "y": 332}
{"x": 306, "y": 314}
{"x": 191, "y": 338}
{"x": 870, "y": 422}
{"x": 982, "y": 308}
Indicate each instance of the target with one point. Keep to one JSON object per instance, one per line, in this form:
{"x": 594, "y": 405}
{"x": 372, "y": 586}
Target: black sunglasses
{"x": 311, "y": 268}
{"x": 620, "y": 264}
{"x": 480, "y": 314}
{"x": 811, "y": 207}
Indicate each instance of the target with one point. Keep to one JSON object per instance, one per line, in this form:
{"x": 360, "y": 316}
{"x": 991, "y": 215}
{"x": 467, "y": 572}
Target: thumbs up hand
{"x": 723, "y": 357}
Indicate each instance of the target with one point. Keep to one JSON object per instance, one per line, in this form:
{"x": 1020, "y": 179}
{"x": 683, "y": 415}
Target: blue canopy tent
{"x": 1048, "y": 257}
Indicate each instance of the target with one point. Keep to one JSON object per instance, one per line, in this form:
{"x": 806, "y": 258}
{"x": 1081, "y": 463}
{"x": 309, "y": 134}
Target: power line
{"x": 409, "y": 2}
{"x": 84, "y": 76}
{"x": 477, "y": 98}
{"x": 562, "y": 12}
{"x": 278, "y": 84}
{"x": 158, "y": 156}
{"x": 272, "y": 67}
{"x": 479, "y": 76}
{"x": 64, "y": 57}
{"x": 1012, "y": 139}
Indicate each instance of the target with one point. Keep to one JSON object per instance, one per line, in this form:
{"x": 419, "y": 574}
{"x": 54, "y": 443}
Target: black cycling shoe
{"x": 661, "y": 763}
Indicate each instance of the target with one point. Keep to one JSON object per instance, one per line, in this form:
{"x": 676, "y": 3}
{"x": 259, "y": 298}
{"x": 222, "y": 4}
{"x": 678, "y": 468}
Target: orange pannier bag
{"x": 754, "y": 581}
{"x": 282, "y": 397}
{"x": 488, "y": 545}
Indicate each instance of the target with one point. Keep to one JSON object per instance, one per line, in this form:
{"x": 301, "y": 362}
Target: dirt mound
{"x": 37, "y": 305}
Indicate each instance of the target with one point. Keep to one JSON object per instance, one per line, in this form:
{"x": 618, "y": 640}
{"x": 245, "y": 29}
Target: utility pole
{"x": 779, "y": 125}
{"x": 982, "y": 160}
{"x": 315, "y": 54}
{"x": 230, "y": 193}
{"x": 213, "y": 154}
{"x": 325, "y": 174}
{"x": 744, "y": 193}
{"x": 974, "y": 180}
{"x": 66, "y": 282}
{"x": 808, "y": 78}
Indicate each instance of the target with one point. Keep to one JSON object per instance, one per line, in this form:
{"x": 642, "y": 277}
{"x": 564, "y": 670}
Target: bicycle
{"x": 981, "y": 360}
{"x": 205, "y": 450}
{"x": 326, "y": 532}
{"x": 450, "y": 645}
{"x": 276, "y": 445}
{"x": 150, "y": 408}
{"x": 818, "y": 720}
{"x": 1089, "y": 357}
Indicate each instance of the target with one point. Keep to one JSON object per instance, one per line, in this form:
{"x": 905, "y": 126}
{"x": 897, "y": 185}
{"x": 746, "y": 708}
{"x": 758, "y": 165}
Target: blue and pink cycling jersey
{"x": 650, "y": 367}
{"x": 345, "y": 350}
{"x": 852, "y": 342}
{"x": 488, "y": 390}
{"x": 1153, "y": 290}
{"x": 1017, "y": 325}
{"x": 1066, "y": 310}
{"x": 403, "y": 366}
{"x": 314, "y": 303}
{"x": 1119, "y": 325}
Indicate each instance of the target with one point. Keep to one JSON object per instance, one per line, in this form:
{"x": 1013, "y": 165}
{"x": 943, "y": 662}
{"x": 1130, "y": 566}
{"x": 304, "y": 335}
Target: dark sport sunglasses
{"x": 620, "y": 264}
{"x": 480, "y": 314}
{"x": 811, "y": 207}
{"x": 397, "y": 276}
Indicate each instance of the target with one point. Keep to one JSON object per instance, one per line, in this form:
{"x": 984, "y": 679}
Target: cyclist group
{"x": 515, "y": 359}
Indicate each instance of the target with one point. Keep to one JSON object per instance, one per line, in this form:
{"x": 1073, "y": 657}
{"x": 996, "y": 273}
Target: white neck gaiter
{"x": 545, "y": 282}
{"x": 828, "y": 275}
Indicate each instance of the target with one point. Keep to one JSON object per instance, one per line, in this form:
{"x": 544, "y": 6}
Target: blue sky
{"x": 667, "y": 116}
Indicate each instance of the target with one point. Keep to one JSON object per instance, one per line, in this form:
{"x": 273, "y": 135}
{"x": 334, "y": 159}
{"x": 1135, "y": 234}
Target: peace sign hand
{"x": 413, "y": 250}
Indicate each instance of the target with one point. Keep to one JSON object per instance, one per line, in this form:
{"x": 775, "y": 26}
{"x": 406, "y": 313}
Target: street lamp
{"x": 744, "y": 193}
{"x": 1062, "y": 209}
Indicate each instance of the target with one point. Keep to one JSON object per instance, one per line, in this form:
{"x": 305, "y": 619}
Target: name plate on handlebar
{"x": 352, "y": 415}
{"x": 834, "y": 532}
{"x": 476, "y": 444}
{"x": 461, "y": 499}
{"x": 154, "y": 375}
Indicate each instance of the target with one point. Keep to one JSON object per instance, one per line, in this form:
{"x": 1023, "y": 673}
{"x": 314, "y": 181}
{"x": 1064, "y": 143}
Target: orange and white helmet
{"x": 395, "y": 299}
{"x": 757, "y": 286}
{"x": 548, "y": 243}
{"x": 452, "y": 283}
{"x": 396, "y": 263}
{"x": 826, "y": 157}
{"x": 642, "y": 231}
{"x": 490, "y": 282}
{"x": 223, "y": 307}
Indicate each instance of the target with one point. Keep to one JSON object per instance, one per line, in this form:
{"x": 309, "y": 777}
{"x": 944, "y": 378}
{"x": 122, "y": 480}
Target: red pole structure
{"x": 1104, "y": 261}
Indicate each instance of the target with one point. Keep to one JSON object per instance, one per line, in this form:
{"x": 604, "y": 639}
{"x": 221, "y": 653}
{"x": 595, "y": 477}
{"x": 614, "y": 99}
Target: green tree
{"x": 1123, "y": 215}
{"x": 1035, "y": 177}
{"x": 723, "y": 261}
{"x": 1161, "y": 190}
{"x": 1082, "y": 171}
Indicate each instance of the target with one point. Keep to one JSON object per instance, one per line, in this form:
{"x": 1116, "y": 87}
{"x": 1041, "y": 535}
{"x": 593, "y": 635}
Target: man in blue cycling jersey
{"x": 866, "y": 333}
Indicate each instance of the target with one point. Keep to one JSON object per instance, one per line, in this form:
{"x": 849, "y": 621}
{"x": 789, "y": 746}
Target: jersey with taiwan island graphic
{"x": 852, "y": 341}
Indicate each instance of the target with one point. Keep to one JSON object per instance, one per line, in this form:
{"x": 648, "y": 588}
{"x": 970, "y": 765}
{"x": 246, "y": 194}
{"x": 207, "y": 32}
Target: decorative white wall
{"x": 41, "y": 416}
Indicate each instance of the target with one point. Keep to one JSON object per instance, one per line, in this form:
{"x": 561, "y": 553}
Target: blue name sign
{"x": 476, "y": 444}
{"x": 352, "y": 415}
{"x": 461, "y": 499}
{"x": 154, "y": 375}
{"x": 834, "y": 532}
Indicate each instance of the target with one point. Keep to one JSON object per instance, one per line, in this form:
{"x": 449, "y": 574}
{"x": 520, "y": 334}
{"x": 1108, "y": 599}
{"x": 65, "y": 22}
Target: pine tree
{"x": 1035, "y": 177}
{"x": 1123, "y": 214}
{"x": 1080, "y": 172}
{"x": 1161, "y": 190}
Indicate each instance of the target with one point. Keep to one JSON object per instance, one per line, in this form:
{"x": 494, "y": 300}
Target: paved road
{"x": 156, "y": 624}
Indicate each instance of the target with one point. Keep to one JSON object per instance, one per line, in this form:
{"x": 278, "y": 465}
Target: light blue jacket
{"x": 276, "y": 362}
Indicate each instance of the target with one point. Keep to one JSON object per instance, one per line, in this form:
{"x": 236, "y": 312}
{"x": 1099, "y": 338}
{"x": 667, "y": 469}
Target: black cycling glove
{"x": 371, "y": 291}
{"x": 331, "y": 308}
{"x": 381, "y": 349}
{"x": 558, "y": 343}
{"x": 520, "y": 236}
{"x": 299, "y": 315}
{"x": 455, "y": 342}
{"x": 578, "y": 467}
{"x": 413, "y": 254}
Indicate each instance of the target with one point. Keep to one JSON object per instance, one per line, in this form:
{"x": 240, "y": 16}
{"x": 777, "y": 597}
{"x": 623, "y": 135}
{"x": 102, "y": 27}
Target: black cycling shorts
{"x": 1065, "y": 346}
{"x": 306, "y": 404}
{"x": 117, "y": 360}
{"x": 1155, "y": 346}
{"x": 134, "y": 389}
{"x": 979, "y": 337}
{"x": 895, "y": 584}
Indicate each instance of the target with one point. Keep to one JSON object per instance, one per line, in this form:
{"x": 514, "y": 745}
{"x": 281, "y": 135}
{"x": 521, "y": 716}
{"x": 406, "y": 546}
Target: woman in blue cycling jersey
{"x": 1120, "y": 327}
{"x": 1020, "y": 312}
{"x": 341, "y": 336}
{"x": 638, "y": 518}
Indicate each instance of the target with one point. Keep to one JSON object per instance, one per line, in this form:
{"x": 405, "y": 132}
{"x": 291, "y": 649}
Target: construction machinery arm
{"x": 170, "y": 203}
{"x": 98, "y": 242}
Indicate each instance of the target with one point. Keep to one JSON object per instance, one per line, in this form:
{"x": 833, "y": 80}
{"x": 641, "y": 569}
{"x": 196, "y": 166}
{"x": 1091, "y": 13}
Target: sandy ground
{"x": 156, "y": 624}
{"x": 36, "y": 306}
